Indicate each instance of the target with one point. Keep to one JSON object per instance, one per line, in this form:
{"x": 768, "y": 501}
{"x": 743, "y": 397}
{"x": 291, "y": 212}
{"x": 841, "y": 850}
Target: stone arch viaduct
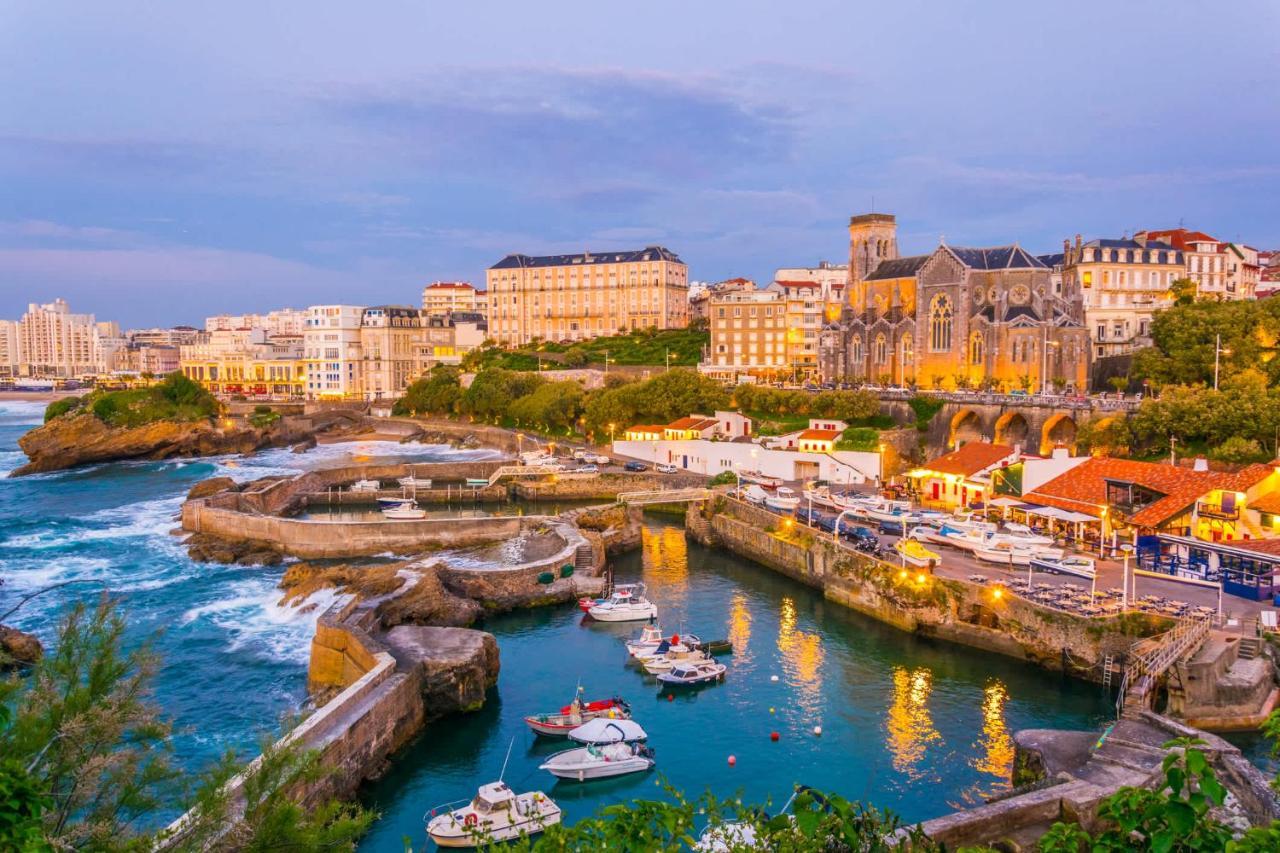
{"x": 1036, "y": 424}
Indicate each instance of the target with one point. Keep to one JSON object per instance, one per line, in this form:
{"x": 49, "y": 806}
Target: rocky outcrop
{"x": 214, "y": 549}
{"x": 456, "y": 666}
{"x": 18, "y": 648}
{"x": 400, "y": 593}
{"x": 211, "y": 486}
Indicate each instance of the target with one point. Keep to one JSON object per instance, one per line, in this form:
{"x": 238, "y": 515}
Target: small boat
{"x": 669, "y": 655}
{"x": 416, "y": 482}
{"x": 754, "y": 494}
{"x": 385, "y": 502}
{"x": 1082, "y": 567}
{"x": 477, "y": 483}
{"x": 599, "y": 762}
{"x": 626, "y": 604}
{"x": 496, "y": 814}
{"x": 915, "y": 554}
{"x": 782, "y": 498}
{"x": 688, "y": 674}
{"x": 1014, "y": 554}
{"x": 602, "y": 730}
{"x": 821, "y": 497}
{"x": 762, "y": 479}
{"x": 404, "y": 511}
{"x": 650, "y": 638}
{"x": 365, "y": 486}
{"x": 587, "y": 602}
{"x": 965, "y": 540}
{"x": 576, "y": 713}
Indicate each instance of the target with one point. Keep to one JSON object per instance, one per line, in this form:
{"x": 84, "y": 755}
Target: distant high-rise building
{"x": 54, "y": 343}
{"x": 584, "y": 296}
{"x": 285, "y": 321}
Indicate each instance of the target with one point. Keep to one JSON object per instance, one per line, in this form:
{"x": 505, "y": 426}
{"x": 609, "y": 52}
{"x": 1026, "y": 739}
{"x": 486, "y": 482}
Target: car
{"x": 600, "y": 460}
{"x": 635, "y": 466}
{"x": 665, "y": 469}
{"x": 857, "y": 531}
{"x": 1018, "y": 392}
{"x": 587, "y": 469}
{"x": 580, "y": 455}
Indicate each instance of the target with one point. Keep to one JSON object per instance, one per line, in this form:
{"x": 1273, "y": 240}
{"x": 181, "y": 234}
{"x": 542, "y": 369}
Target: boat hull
{"x": 782, "y": 503}
{"x": 623, "y": 614}
{"x": 448, "y": 831}
{"x": 578, "y": 765}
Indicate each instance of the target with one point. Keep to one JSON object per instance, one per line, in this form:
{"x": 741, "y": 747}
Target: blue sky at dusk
{"x": 164, "y": 161}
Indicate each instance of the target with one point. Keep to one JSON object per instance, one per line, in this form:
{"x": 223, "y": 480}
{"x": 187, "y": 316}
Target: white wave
{"x": 153, "y": 518}
{"x": 11, "y": 459}
{"x": 22, "y": 412}
{"x": 254, "y": 619}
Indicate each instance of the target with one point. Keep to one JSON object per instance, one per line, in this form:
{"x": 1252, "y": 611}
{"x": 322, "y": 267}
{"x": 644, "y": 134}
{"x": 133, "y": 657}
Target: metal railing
{"x": 663, "y": 496}
{"x": 1153, "y": 656}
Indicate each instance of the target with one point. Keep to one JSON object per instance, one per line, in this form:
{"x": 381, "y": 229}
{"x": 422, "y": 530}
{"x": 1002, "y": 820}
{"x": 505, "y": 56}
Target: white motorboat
{"x": 762, "y": 479}
{"x": 365, "y": 486}
{"x": 966, "y": 540}
{"x": 673, "y": 654}
{"x": 1082, "y": 567}
{"x": 1021, "y": 534}
{"x": 1013, "y": 554}
{"x": 604, "y": 730}
{"x": 404, "y": 511}
{"x": 688, "y": 674}
{"x": 415, "y": 482}
{"x": 650, "y": 638}
{"x": 821, "y": 497}
{"x": 782, "y": 498}
{"x": 496, "y": 814}
{"x": 599, "y": 762}
{"x": 755, "y": 494}
{"x": 626, "y": 604}
{"x": 886, "y": 510}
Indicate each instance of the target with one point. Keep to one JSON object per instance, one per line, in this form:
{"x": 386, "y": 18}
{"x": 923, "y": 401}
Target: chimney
{"x": 1201, "y": 464}
{"x": 1078, "y": 241}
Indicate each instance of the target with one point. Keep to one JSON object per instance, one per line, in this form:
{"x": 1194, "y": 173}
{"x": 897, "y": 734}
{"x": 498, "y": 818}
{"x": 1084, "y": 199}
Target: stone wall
{"x": 603, "y": 486}
{"x": 953, "y": 610}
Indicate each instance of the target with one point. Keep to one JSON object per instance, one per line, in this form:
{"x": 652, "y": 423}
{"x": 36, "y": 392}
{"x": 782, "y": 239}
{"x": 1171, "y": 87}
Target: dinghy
{"x": 576, "y": 713}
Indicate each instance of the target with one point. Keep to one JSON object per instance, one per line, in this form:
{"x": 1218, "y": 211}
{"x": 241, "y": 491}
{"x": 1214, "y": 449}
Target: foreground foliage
{"x": 176, "y": 398}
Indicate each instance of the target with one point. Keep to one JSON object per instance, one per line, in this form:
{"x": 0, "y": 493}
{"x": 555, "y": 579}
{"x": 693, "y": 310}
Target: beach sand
{"x": 38, "y": 396}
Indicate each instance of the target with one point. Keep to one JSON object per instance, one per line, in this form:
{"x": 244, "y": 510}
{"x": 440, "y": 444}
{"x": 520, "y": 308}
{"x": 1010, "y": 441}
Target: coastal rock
{"x": 410, "y": 594}
{"x": 457, "y": 665}
{"x": 303, "y": 446}
{"x": 210, "y": 549}
{"x": 18, "y": 648}
{"x": 211, "y": 486}
{"x": 428, "y": 602}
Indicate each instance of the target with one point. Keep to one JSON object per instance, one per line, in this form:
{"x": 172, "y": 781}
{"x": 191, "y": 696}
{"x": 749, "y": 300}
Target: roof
{"x": 449, "y": 285}
{"x": 1053, "y": 260}
{"x": 819, "y": 435}
{"x": 648, "y": 253}
{"x": 1180, "y": 238}
{"x": 692, "y": 423}
{"x": 1084, "y": 487}
{"x": 999, "y": 258}
{"x": 797, "y": 284}
{"x": 898, "y": 268}
{"x": 970, "y": 459}
{"x": 646, "y": 428}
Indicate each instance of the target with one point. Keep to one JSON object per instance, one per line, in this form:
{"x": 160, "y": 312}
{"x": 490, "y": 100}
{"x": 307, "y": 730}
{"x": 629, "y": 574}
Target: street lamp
{"x": 611, "y": 429}
{"x": 1218, "y": 351}
{"x": 1124, "y": 576}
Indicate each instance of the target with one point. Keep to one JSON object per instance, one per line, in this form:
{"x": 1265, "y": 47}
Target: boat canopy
{"x": 605, "y": 730}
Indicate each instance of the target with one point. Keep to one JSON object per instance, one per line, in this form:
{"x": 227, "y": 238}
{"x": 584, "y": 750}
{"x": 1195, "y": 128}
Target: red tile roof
{"x": 1084, "y": 487}
{"x": 1179, "y": 238}
{"x": 798, "y": 283}
{"x": 455, "y": 285}
{"x": 692, "y": 423}
{"x": 819, "y": 435}
{"x": 970, "y": 459}
{"x": 658, "y": 428}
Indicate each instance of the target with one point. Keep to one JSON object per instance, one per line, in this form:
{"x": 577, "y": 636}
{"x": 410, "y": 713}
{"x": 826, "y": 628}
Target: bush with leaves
{"x": 58, "y": 408}
{"x": 437, "y": 393}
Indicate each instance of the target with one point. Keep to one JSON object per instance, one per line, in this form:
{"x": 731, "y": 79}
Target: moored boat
{"x": 415, "y": 482}
{"x": 1082, "y": 567}
{"x": 626, "y": 604}
{"x": 754, "y": 494}
{"x": 365, "y": 486}
{"x": 762, "y": 479}
{"x": 689, "y": 674}
{"x": 496, "y": 814}
{"x": 782, "y": 498}
{"x": 914, "y": 553}
{"x": 600, "y": 762}
{"x": 650, "y": 638}
{"x": 404, "y": 511}
{"x": 576, "y": 713}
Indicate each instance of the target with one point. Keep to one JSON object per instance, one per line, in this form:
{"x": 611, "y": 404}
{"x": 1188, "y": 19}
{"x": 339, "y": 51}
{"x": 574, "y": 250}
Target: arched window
{"x": 855, "y": 350}
{"x": 908, "y": 346}
{"x": 976, "y": 348}
{"x": 940, "y": 324}
{"x": 881, "y": 350}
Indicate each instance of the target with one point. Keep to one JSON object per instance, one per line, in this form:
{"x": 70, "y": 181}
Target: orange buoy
{"x": 773, "y": 736}
{"x": 732, "y": 761}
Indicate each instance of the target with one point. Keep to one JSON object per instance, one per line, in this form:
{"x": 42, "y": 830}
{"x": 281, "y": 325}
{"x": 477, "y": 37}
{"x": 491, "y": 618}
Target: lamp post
{"x": 668, "y": 360}
{"x": 1126, "y": 548}
{"x": 612, "y": 427}
{"x": 1217, "y": 353}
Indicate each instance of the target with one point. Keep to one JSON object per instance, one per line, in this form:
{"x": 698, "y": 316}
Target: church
{"x": 996, "y": 318}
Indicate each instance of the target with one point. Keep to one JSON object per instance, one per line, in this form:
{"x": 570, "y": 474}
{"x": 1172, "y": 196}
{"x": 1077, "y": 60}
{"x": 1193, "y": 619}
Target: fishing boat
{"x": 404, "y": 511}
{"x": 755, "y": 494}
{"x": 689, "y": 674}
{"x": 576, "y": 713}
{"x": 1079, "y": 566}
{"x": 496, "y": 814}
{"x": 762, "y": 479}
{"x": 782, "y": 498}
{"x": 914, "y": 553}
{"x": 365, "y": 486}
{"x": 626, "y": 604}
{"x": 650, "y": 638}
{"x": 599, "y": 762}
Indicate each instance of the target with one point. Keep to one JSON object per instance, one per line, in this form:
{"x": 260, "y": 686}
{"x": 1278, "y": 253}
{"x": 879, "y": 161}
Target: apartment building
{"x": 1122, "y": 283}
{"x": 442, "y": 298}
{"x": 54, "y": 343}
{"x": 584, "y": 296}
{"x": 331, "y": 348}
{"x": 9, "y": 351}
{"x": 248, "y": 362}
{"x": 390, "y": 338}
{"x": 807, "y": 309}
{"x": 445, "y": 340}
{"x": 748, "y": 336}
{"x": 1218, "y": 268}
{"x": 178, "y": 336}
{"x": 285, "y": 321}
{"x": 153, "y": 359}
{"x": 700, "y": 296}
{"x": 832, "y": 278}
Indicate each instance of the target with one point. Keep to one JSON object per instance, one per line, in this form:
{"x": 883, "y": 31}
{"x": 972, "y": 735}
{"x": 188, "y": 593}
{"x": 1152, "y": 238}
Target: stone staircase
{"x": 583, "y": 558}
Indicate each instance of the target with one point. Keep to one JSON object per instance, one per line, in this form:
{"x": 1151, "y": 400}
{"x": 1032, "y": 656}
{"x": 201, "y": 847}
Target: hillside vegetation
{"x": 176, "y": 398}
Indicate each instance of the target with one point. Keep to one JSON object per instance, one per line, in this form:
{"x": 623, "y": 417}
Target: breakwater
{"x": 947, "y": 609}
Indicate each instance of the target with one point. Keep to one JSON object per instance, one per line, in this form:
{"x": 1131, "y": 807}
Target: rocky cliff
{"x": 18, "y": 649}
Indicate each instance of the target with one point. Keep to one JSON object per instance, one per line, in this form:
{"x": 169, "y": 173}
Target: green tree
{"x": 1183, "y": 290}
{"x": 58, "y": 408}
{"x": 1238, "y": 449}
{"x": 437, "y": 393}
{"x": 1119, "y": 383}
{"x": 661, "y": 399}
{"x": 552, "y": 406}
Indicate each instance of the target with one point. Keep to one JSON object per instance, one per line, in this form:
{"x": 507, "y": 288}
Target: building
{"x": 956, "y": 317}
{"x": 808, "y": 309}
{"x": 962, "y": 477}
{"x": 442, "y": 298}
{"x": 817, "y": 440}
{"x": 832, "y": 278}
{"x": 331, "y": 347}
{"x": 711, "y": 457}
{"x": 726, "y": 425}
{"x": 584, "y": 296}
{"x": 445, "y": 340}
{"x": 10, "y": 354}
{"x": 54, "y": 343}
{"x": 1122, "y": 284}
{"x": 1216, "y": 267}
{"x": 178, "y": 336}
{"x": 150, "y": 359}
{"x": 701, "y": 296}
{"x": 248, "y": 362}
{"x": 748, "y": 336}
{"x": 285, "y": 321}
{"x": 390, "y": 348}
{"x": 819, "y": 436}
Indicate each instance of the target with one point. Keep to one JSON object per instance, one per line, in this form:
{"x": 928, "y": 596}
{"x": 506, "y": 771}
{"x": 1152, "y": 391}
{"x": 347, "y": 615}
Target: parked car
{"x": 580, "y": 455}
{"x": 665, "y": 469}
{"x": 587, "y": 469}
{"x": 1018, "y": 392}
{"x": 600, "y": 460}
{"x": 635, "y": 466}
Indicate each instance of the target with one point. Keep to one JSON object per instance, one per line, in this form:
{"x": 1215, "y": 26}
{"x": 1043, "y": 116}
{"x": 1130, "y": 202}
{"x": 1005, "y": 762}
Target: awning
{"x": 1054, "y": 512}
{"x": 1002, "y": 502}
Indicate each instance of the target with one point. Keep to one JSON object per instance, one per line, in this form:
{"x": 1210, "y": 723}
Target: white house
{"x": 702, "y": 456}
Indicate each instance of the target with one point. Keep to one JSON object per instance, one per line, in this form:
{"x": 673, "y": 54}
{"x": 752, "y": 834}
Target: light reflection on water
{"x": 909, "y": 724}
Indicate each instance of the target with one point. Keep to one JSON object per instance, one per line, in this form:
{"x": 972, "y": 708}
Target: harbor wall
{"x": 602, "y": 486}
{"x": 952, "y": 610}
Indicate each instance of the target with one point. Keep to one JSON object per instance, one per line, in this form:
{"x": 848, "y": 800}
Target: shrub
{"x": 723, "y": 478}
{"x": 1239, "y": 449}
{"x": 105, "y": 408}
{"x": 58, "y": 408}
{"x": 925, "y": 408}
{"x": 859, "y": 438}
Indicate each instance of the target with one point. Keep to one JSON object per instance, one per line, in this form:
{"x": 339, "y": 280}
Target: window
{"x": 976, "y": 348}
{"x": 940, "y": 324}
{"x": 881, "y": 350}
{"x": 908, "y": 349}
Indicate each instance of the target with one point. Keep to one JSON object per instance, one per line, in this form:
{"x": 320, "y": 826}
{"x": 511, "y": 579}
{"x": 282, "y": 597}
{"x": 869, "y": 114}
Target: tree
{"x": 494, "y": 389}
{"x": 552, "y": 406}
{"x": 1238, "y": 449}
{"x": 575, "y": 357}
{"x": 663, "y": 398}
{"x": 1119, "y": 383}
{"x": 436, "y": 393}
{"x": 1183, "y": 290}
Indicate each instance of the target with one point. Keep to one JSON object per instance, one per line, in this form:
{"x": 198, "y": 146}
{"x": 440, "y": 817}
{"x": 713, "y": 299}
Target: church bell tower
{"x": 873, "y": 237}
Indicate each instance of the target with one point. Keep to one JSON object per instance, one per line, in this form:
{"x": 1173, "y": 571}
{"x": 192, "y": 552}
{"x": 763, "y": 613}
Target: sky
{"x": 160, "y": 161}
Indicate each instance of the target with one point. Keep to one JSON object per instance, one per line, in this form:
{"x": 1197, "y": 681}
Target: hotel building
{"x": 249, "y": 362}
{"x": 748, "y": 336}
{"x": 442, "y": 298}
{"x": 331, "y": 348}
{"x": 584, "y": 296}
{"x": 390, "y": 337}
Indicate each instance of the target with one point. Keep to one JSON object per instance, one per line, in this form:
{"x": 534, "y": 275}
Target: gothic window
{"x": 908, "y": 349}
{"x": 976, "y": 348}
{"x": 855, "y": 349}
{"x": 940, "y": 324}
{"x": 881, "y": 350}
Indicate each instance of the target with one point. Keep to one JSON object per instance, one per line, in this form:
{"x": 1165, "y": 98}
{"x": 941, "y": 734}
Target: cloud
{"x": 41, "y": 230}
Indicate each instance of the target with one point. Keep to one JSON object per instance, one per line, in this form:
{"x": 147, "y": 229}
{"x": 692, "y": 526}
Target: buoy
{"x": 675, "y": 639}
{"x": 671, "y": 697}
{"x": 732, "y": 761}
{"x": 611, "y": 714}
{"x": 770, "y": 710}
{"x": 817, "y": 730}
{"x": 773, "y": 678}
{"x": 773, "y": 736}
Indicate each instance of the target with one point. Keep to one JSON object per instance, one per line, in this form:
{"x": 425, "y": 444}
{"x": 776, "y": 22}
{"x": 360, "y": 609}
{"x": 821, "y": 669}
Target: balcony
{"x": 1212, "y": 510}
